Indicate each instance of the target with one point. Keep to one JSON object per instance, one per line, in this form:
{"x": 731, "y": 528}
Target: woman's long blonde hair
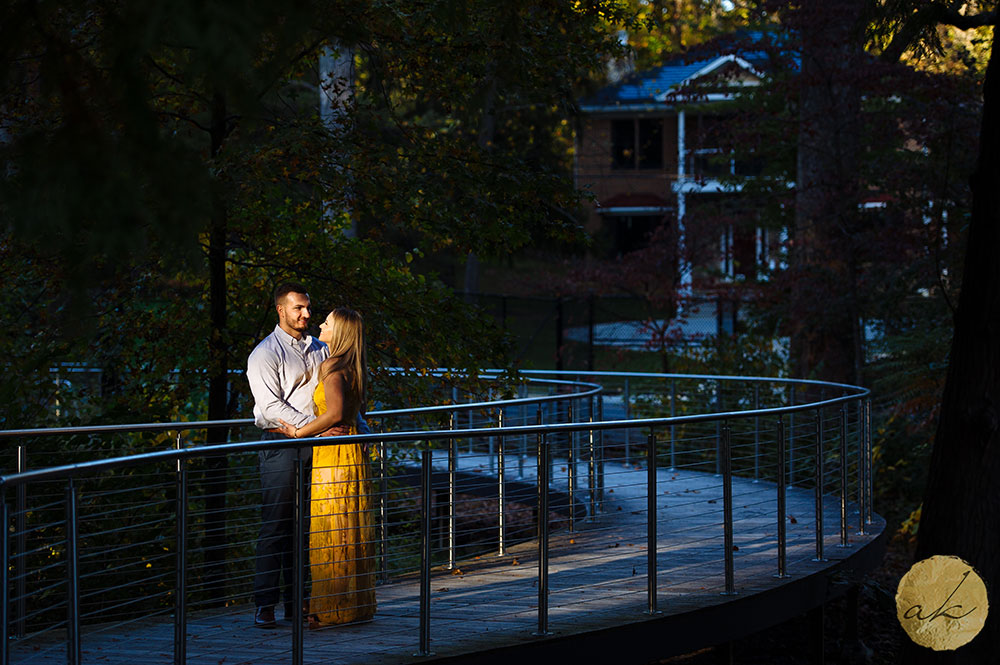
{"x": 347, "y": 355}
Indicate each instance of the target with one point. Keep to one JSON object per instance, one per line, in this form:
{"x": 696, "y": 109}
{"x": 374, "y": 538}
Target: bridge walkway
{"x": 486, "y": 610}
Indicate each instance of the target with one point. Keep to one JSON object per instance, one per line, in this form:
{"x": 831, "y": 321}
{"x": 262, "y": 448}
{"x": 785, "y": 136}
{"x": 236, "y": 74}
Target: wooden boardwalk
{"x": 486, "y": 611}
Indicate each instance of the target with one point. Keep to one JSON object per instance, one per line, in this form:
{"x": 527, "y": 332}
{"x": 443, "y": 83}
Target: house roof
{"x": 646, "y": 86}
{"x": 653, "y": 87}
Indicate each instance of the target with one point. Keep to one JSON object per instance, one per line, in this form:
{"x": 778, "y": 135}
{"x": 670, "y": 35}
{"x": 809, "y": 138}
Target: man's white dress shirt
{"x": 283, "y": 373}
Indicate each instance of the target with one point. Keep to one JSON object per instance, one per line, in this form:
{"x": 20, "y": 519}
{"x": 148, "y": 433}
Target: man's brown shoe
{"x": 264, "y": 618}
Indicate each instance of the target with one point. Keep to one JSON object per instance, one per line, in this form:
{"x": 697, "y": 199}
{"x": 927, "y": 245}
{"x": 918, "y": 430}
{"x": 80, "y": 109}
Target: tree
{"x": 210, "y": 117}
{"x": 166, "y": 166}
{"x": 824, "y": 315}
{"x": 961, "y": 509}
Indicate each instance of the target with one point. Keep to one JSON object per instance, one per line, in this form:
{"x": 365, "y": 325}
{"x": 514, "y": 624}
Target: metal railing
{"x": 557, "y": 451}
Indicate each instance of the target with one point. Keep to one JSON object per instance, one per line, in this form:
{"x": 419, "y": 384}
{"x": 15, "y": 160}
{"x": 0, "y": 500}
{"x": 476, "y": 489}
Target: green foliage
{"x": 142, "y": 139}
{"x": 663, "y": 29}
{"x": 743, "y": 354}
{"x": 909, "y": 364}
{"x": 910, "y": 30}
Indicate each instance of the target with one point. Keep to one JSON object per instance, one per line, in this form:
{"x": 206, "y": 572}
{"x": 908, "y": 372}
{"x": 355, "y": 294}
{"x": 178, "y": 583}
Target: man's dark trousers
{"x": 277, "y": 524}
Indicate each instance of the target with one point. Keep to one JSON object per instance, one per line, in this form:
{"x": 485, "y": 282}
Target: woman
{"x": 341, "y": 546}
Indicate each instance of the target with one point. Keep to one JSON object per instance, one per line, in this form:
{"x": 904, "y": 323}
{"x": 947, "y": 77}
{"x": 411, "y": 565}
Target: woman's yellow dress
{"x": 341, "y": 530}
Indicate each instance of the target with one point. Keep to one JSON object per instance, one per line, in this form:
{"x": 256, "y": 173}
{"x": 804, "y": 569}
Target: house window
{"x": 740, "y": 252}
{"x": 710, "y": 163}
{"x": 709, "y": 157}
{"x": 630, "y": 232}
{"x": 637, "y": 143}
{"x": 623, "y": 144}
{"x": 650, "y": 143}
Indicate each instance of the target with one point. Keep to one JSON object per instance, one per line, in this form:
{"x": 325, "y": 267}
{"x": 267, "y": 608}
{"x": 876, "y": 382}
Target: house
{"x": 647, "y": 150}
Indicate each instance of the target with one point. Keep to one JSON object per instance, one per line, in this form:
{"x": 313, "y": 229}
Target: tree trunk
{"x": 961, "y": 509}
{"x": 826, "y": 196}
{"x": 484, "y": 139}
{"x": 336, "y": 92}
{"x": 216, "y": 468}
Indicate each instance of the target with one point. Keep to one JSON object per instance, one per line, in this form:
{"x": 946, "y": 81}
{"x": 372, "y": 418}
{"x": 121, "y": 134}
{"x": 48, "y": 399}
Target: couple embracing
{"x": 308, "y": 387}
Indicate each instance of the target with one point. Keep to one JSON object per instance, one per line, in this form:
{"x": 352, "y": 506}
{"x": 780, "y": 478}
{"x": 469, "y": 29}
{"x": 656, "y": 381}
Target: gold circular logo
{"x": 941, "y": 603}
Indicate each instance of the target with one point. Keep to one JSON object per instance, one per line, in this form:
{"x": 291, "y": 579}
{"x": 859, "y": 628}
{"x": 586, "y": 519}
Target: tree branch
{"x": 185, "y": 118}
{"x": 950, "y": 16}
{"x": 932, "y": 14}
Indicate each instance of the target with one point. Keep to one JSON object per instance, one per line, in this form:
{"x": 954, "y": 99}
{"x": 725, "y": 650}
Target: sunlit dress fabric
{"x": 341, "y": 530}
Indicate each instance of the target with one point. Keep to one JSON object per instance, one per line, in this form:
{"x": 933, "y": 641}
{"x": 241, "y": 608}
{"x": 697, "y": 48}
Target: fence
{"x": 102, "y": 544}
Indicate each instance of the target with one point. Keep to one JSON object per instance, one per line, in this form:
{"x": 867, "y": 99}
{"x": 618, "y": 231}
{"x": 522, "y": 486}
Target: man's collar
{"x": 285, "y": 338}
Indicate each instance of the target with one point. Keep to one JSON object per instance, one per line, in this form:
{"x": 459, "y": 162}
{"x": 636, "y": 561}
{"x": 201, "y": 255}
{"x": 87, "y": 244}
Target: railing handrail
{"x": 723, "y": 377}
{"x": 215, "y": 450}
{"x": 185, "y": 425}
{"x": 592, "y": 389}
{"x": 664, "y": 375}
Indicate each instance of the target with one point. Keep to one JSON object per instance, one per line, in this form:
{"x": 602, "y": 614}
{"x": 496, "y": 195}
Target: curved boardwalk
{"x": 486, "y": 611}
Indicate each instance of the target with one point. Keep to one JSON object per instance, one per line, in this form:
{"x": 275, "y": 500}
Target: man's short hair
{"x": 285, "y": 288}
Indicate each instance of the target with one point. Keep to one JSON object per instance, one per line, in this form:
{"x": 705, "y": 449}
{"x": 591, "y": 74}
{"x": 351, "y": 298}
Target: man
{"x": 283, "y": 371}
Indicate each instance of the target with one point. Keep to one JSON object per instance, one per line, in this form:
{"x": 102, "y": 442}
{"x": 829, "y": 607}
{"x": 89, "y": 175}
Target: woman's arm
{"x": 334, "y": 386}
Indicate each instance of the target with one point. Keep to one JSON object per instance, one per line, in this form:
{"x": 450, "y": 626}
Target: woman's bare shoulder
{"x": 328, "y": 370}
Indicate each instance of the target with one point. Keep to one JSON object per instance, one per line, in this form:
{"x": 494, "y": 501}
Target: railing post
{"x": 553, "y": 416}
{"x": 600, "y": 455}
{"x": 861, "y": 468}
{"x": 651, "y": 524}
{"x": 571, "y": 470}
{"x": 727, "y": 507}
{"x": 628, "y": 416}
{"x": 843, "y": 475}
{"x": 383, "y": 510}
{"x": 180, "y": 583}
{"x": 756, "y": 433}
{"x": 425, "y": 555}
{"x": 791, "y": 439}
{"x": 491, "y": 440}
{"x": 73, "y": 650}
{"x": 718, "y": 427}
{"x": 501, "y": 485}
{"x": 592, "y": 468}
{"x": 539, "y": 419}
{"x": 818, "y": 485}
{"x": 543, "y": 536}
{"x": 781, "y": 486}
{"x": 21, "y": 545}
{"x": 300, "y": 509}
{"x": 523, "y": 448}
{"x": 452, "y": 464}
{"x": 869, "y": 483}
{"x": 4, "y": 577}
{"x": 673, "y": 428}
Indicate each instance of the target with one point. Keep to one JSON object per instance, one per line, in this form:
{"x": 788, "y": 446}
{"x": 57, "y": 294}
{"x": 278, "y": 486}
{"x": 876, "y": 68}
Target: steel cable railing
{"x": 463, "y": 499}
